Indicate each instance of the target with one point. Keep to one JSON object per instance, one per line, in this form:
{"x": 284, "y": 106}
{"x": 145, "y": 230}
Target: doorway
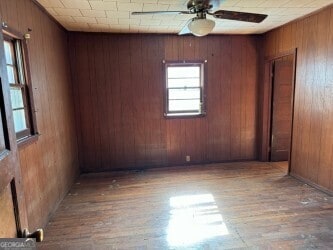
{"x": 277, "y": 109}
{"x": 281, "y": 108}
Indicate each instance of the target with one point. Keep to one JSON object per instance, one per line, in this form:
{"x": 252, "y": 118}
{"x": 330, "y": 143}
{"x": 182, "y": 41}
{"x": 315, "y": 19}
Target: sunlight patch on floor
{"x": 193, "y": 219}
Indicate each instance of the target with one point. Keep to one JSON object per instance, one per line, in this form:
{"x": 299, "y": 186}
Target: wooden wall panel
{"x": 312, "y": 147}
{"x": 7, "y": 216}
{"x": 119, "y": 100}
{"x": 49, "y": 165}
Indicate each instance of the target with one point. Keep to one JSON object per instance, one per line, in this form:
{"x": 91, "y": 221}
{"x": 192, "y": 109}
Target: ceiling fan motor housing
{"x": 198, "y": 5}
{"x": 195, "y": 6}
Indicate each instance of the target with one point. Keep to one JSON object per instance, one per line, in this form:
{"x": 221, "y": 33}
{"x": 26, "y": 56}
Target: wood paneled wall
{"x": 312, "y": 147}
{"x": 50, "y": 165}
{"x": 119, "y": 100}
{"x": 7, "y": 216}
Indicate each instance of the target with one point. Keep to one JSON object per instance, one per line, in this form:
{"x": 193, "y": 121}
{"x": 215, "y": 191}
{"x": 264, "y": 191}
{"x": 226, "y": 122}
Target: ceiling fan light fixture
{"x": 201, "y": 27}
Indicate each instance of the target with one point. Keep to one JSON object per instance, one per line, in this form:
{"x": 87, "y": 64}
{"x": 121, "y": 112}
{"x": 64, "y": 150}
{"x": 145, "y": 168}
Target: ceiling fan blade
{"x": 239, "y": 16}
{"x": 185, "y": 30}
{"x": 160, "y": 12}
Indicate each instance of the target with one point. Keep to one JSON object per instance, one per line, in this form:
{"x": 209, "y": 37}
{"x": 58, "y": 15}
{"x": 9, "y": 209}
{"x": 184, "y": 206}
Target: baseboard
{"x": 312, "y": 184}
{"x": 55, "y": 207}
{"x": 89, "y": 170}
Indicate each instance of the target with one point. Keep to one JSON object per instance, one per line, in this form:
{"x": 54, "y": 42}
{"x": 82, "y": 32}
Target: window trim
{"x": 30, "y": 135}
{"x": 203, "y": 83}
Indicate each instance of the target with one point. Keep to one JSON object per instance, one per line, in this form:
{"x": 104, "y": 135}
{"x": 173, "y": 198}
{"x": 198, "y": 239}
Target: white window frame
{"x": 185, "y": 113}
{"x": 23, "y": 82}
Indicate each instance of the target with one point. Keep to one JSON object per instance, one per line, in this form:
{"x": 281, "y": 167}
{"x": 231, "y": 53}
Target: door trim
{"x": 267, "y": 104}
{"x": 10, "y": 170}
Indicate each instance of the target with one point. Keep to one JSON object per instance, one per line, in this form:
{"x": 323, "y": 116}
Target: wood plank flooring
{"x": 283, "y": 165}
{"x": 216, "y": 206}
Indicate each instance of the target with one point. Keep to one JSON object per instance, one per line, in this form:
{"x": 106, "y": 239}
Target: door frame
{"x": 267, "y": 103}
{"x": 10, "y": 169}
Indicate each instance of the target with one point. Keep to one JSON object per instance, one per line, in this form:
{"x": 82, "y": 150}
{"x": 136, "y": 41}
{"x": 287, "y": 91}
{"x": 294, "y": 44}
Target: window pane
{"x": 184, "y": 105}
{"x": 16, "y": 98}
{"x": 19, "y": 62}
{"x": 184, "y": 93}
{"x": 10, "y": 73}
{"x": 186, "y": 82}
{"x": 19, "y": 120}
{"x": 183, "y": 72}
{"x": 8, "y": 52}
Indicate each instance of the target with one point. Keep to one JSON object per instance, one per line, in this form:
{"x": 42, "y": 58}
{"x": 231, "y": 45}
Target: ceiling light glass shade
{"x": 201, "y": 27}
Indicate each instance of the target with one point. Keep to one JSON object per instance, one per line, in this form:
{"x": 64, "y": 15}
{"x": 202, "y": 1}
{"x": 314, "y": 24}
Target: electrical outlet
{"x": 188, "y": 158}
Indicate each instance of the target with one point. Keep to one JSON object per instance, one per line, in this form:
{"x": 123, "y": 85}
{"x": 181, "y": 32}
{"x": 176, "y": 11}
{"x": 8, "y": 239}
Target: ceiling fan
{"x": 199, "y": 25}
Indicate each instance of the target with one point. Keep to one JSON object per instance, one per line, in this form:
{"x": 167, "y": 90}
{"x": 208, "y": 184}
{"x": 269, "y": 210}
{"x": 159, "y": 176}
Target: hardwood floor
{"x": 216, "y": 206}
{"x": 280, "y": 164}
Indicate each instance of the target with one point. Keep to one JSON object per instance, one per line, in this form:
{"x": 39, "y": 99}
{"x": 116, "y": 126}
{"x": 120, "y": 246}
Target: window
{"x": 184, "y": 88}
{"x": 18, "y": 83}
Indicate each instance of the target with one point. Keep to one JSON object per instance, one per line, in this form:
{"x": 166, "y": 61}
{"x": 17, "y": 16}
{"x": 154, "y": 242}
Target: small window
{"x": 19, "y": 92}
{"x": 184, "y": 89}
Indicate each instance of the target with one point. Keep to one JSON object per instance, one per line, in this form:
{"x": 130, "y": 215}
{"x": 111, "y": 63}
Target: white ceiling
{"x": 115, "y": 15}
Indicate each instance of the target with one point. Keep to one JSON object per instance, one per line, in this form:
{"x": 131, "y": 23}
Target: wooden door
{"x": 283, "y": 75}
{"x": 12, "y": 206}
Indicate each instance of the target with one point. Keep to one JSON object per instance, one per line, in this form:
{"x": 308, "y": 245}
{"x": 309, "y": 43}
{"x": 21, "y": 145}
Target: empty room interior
{"x": 154, "y": 124}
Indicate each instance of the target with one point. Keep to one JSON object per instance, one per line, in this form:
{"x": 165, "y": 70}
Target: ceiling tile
{"x": 85, "y": 19}
{"x": 144, "y": 1}
{"x": 100, "y": 5}
{"x": 118, "y": 14}
{"x": 51, "y": 3}
{"x": 65, "y": 19}
{"x": 129, "y": 21}
{"x": 73, "y": 26}
{"x": 108, "y": 20}
{"x": 129, "y": 6}
{"x": 297, "y": 3}
{"x": 145, "y": 22}
{"x": 100, "y": 27}
{"x": 319, "y": 3}
{"x": 67, "y": 12}
{"x": 171, "y": 23}
{"x": 153, "y": 7}
{"x": 93, "y": 13}
{"x": 76, "y": 4}
{"x": 229, "y": 3}
{"x": 248, "y": 3}
{"x": 273, "y": 3}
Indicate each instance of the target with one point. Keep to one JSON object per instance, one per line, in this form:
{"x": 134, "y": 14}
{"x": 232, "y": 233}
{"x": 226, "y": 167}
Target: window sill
{"x": 21, "y": 143}
{"x": 184, "y": 115}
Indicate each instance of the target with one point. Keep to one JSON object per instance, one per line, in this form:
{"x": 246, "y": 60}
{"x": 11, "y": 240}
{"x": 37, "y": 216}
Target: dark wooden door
{"x": 283, "y": 75}
{"x": 12, "y": 206}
